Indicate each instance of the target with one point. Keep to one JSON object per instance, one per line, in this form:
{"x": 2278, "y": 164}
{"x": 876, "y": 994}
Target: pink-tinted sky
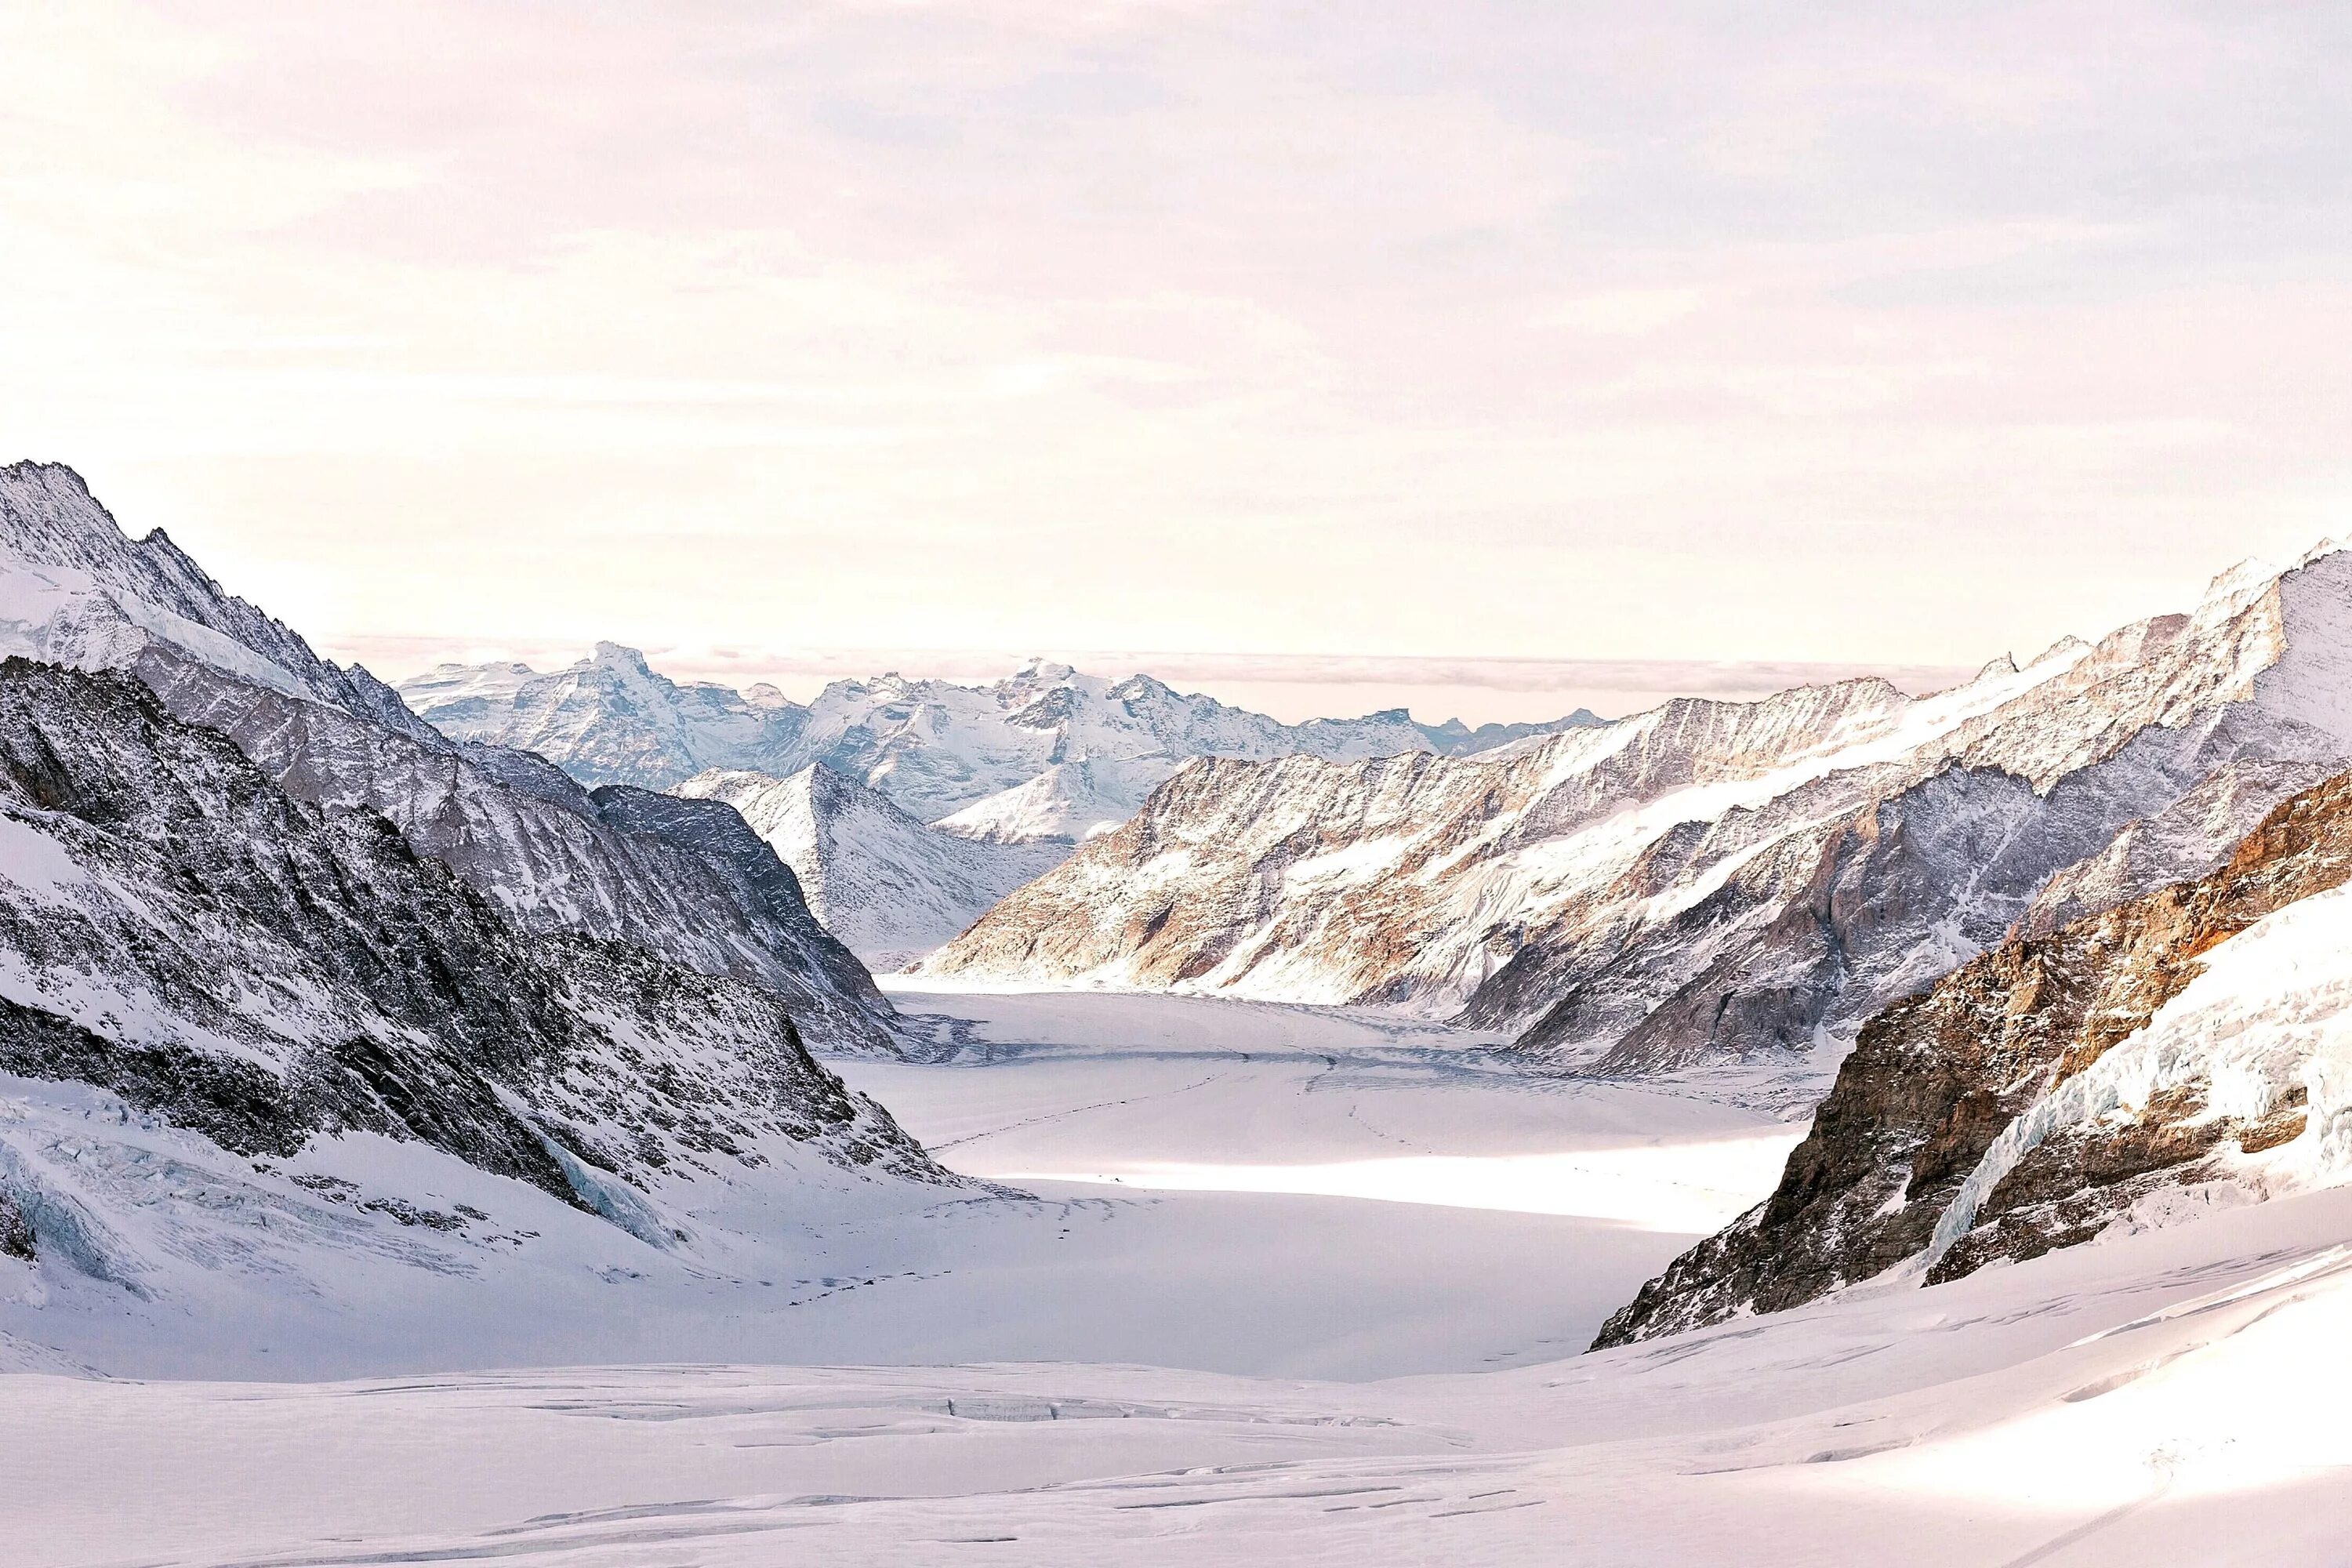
{"x": 1494, "y": 357}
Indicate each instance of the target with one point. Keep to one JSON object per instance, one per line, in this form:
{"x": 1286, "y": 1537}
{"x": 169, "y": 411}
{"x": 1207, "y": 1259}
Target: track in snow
{"x": 2174, "y": 1397}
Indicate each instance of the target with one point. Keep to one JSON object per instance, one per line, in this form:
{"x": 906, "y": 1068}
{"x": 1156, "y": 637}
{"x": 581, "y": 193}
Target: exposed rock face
{"x": 1710, "y": 881}
{"x": 177, "y": 929}
{"x": 933, "y": 747}
{"x": 2062, "y": 1083}
{"x": 15, "y": 1230}
{"x": 1836, "y": 919}
{"x": 2173, "y": 845}
{"x": 513, "y": 825}
{"x": 891, "y": 887}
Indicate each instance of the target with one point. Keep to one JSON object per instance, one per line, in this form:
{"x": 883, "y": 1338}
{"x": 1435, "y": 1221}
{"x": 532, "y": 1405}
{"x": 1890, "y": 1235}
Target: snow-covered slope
{"x": 1066, "y": 802}
{"x": 891, "y": 887}
{"x": 2190, "y": 1049}
{"x": 2172, "y": 1397}
{"x": 75, "y": 591}
{"x": 178, "y": 932}
{"x": 1707, "y": 878}
{"x": 933, "y": 747}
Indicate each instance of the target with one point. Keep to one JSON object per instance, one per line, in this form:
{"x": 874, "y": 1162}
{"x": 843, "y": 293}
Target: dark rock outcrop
{"x": 15, "y": 1230}
{"x": 1934, "y": 1080}
{"x": 705, "y": 895}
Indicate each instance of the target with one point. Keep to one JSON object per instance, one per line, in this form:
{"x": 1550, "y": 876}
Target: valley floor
{"x": 1267, "y": 1189}
{"x": 1296, "y": 1286}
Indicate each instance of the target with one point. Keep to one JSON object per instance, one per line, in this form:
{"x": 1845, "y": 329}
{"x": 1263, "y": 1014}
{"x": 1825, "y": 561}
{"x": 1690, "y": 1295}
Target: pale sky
{"x": 1494, "y": 358}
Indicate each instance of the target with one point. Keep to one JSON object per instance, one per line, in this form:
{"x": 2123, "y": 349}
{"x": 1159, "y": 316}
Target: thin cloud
{"x": 878, "y": 326}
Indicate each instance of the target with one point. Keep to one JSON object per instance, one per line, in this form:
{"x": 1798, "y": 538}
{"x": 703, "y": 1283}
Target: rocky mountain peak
{"x": 512, "y": 827}
{"x": 823, "y": 790}
{"x": 621, "y": 657}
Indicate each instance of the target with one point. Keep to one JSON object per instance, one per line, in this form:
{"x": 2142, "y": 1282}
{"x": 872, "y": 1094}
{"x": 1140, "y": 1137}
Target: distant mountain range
{"x": 2081, "y": 922}
{"x": 905, "y": 807}
{"x": 935, "y": 748}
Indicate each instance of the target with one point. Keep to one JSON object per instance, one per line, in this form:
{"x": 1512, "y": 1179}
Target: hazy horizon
{"x": 1292, "y": 689}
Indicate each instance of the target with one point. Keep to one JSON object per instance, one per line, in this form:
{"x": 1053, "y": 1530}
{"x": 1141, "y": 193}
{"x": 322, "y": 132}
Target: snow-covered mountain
{"x": 2189, "y": 1050}
{"x": 1709, "y": 879}
{"x": 934, "y": 747}
{"x": 181, "y": 936}
{"x": 1012, "y": 775}
{"x": 890, "y": 886}
{"x": 305, "y": 1007}
{"x": 1066, "y": 802}
{"x": 705, "y": 893}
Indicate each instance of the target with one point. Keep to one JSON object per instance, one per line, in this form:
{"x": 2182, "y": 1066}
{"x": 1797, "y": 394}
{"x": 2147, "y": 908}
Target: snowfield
{"x": 2175, "y": 1398}
{"x": 1227, "y": 1187}
{"x": 1171, "y": 1093}
{"x": 1296, "y": 1285}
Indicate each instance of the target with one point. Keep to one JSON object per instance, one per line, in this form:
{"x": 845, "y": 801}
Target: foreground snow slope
{"x": 2171, "y": 1398}
{"x": 1709, "y": 881}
